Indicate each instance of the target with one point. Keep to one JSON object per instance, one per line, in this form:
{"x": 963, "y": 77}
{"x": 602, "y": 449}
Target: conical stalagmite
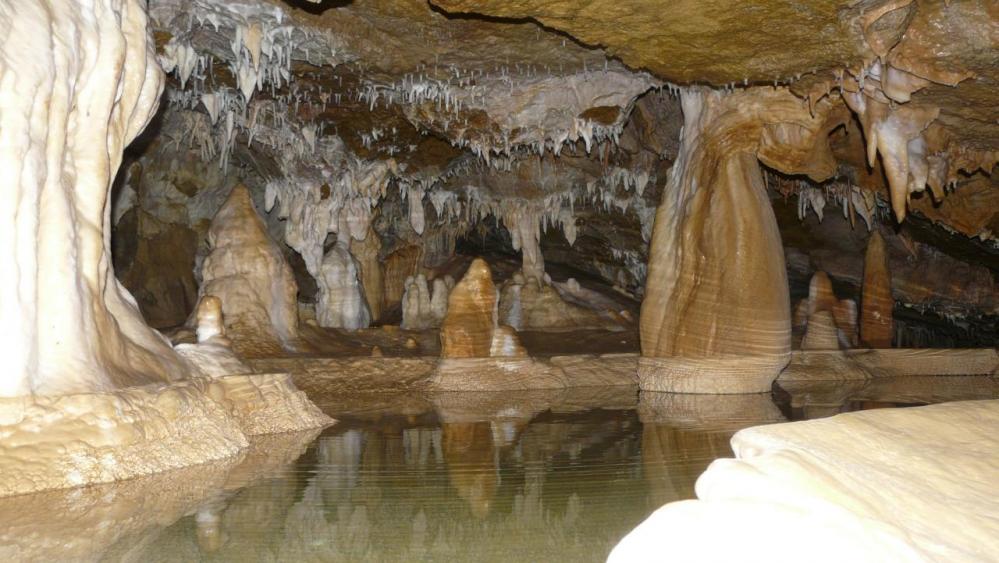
{"x": 249, "y": 273}
{"x": 876, "y": 324}
{"x": 467, "y": 331}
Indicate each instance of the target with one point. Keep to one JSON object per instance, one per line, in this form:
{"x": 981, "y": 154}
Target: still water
{"x": 453, "y": 477}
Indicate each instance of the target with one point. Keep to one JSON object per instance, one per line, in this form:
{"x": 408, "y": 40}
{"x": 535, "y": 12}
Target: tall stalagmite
{"x": 716, "y": 317}
{"x": 467, "y": 331}
{"x": 876, "y": 326}
{"x": 249, "y": 273}
{"x": 80, "y": 81}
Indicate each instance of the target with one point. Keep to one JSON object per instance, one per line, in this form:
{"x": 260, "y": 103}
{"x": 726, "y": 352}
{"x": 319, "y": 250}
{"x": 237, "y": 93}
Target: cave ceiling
{"x": 549, "y": 101}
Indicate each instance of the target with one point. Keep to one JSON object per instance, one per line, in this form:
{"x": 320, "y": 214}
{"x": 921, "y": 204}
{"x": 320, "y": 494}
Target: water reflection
{"x": 456, "y": 476}
{"x": 120, "y": 521}
{"x": 683, "y": 434}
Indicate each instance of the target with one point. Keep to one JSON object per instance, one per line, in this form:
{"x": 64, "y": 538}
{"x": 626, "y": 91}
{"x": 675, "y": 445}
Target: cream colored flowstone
{"x": 89, "y": 393}
{"x": 716, "y": 317}
{"x": 914, "y": 484}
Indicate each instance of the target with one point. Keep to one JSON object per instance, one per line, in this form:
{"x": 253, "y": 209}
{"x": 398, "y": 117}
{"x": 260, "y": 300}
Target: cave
{"x": 499, "y": 280}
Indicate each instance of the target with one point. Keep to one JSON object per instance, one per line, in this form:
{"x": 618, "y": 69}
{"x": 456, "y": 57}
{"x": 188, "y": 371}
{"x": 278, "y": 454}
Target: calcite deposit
{"x": 91, "y": 393}
{"x": 813, "y": 482}
{"x": 246, "y": 270}
{"x": 876, "y": 329}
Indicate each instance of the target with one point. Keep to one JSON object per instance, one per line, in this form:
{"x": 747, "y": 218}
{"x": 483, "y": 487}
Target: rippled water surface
{"x": 453, "y": 477}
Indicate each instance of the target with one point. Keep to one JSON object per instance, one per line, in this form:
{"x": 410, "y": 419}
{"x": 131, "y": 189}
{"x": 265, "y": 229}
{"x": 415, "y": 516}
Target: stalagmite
{"x": 213, "y": 353}
{"x": 821, "y": 332}
{"x": 822, "y": 298}
{"x": 371, "y": 276}
{"x": 249, "y": 273}
{"x": 399, "y": 266}
{"x": 69, "y": 108}
{"x": 416, "y": 304}
{"x": 716, "y": 317}
{"x": 876, "y": 326}
{"x": 341, "y": 301}
{"x": 467, "y": 331}
{"x": 423, "y": 307}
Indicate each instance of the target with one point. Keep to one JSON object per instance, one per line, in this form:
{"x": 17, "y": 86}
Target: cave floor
{"x": 533, "y": 475}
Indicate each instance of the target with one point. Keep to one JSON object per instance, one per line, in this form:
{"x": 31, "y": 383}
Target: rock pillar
{"x": 716, "y": 316}
{"x": 80, "y": 81}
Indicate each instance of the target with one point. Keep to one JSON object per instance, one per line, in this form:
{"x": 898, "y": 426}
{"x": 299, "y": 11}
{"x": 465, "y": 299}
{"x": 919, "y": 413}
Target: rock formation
{"x": 248, "y": 272}
{"x": 532, "y": 303}
{"x": 837, "y": 483}
{"x": 91, "y": 394}
{"x": 70, "y": 326}
{"x": 423, "y": 308}
{"x": 716, "y": 317}
{"x": 342, "y": 303}
{"x": 371, "y": 276}
{"x": 842, "y": 312}
{"x": 467, "y": 330}
{"x": 876, "y": 328}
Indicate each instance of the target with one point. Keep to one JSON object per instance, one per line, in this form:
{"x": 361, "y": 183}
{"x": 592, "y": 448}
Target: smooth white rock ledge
{"x": 912, "y": 484}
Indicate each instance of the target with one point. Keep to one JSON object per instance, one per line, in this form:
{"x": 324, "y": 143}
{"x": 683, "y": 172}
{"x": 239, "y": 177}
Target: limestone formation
{"x": 876, "y": 328}
{"x": 716, "y": 317}
{"x": 212, "y": 355}
{"x": 248, "y": 272}
{"x": 821, "y": 298}
{"x": 399, "y": 267}
{"x": 69, "y": 326}
{"x": 91, "y": 394}
{"x": 533, "y": 303}
{"x": 836, "y": 483}
{"x": 423, "y": 308}
{"x": 341, "y": 302}
{"x": 821, "y": 332}
{"x": 467, "y": 330}
{"x": 370, "y": 267}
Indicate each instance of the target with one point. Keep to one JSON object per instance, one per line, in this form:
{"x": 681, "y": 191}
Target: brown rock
{"x": 371, "y": 278}
{"x": 399, "y": 265}
{"x": 467, "y": 330}
{"x": 876, "y": 326}
{"x": 821, "y": 333}
{"x": 717, "y": 283}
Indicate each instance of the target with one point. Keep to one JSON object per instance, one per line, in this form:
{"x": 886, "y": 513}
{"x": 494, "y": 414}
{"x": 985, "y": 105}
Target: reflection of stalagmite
{"x": 698, "y": 426}
{"x": 249, "y": 273}
{"x": 716, "y": 316}
{"x": 876, "y": 326}
{"x": 341, "y": 301}
{"x": 471, "y": 461}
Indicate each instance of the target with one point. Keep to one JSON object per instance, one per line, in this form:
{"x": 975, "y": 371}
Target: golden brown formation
{"x": 876, "y": 328}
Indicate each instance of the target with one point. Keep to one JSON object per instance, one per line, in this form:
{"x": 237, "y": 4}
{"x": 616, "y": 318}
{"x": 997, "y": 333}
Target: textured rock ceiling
{"x": 724, "y": 42}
